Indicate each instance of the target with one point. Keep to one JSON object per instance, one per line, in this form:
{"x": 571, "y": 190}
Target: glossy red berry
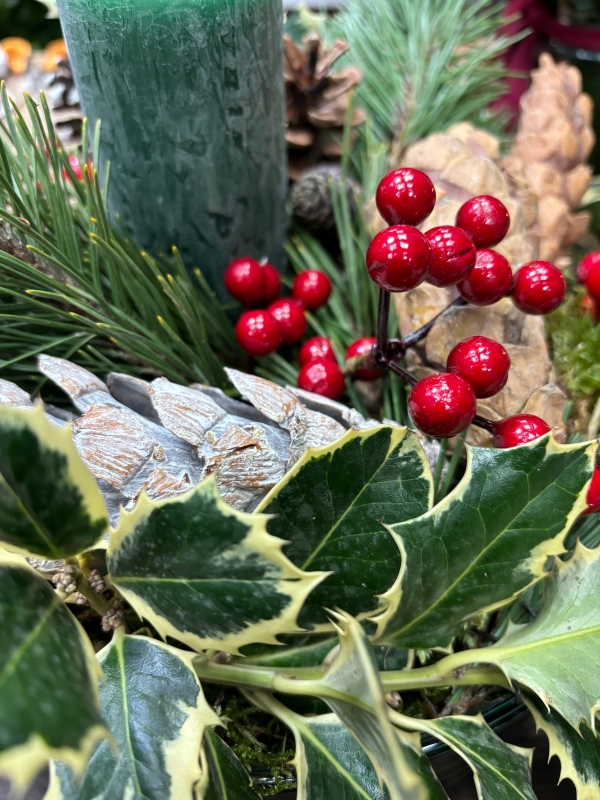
{"x": 244, "y": 280}
{"x": 589, "y": 306}
{"x": 585, "y": 265}
{"x": 290, "y": 316}
{"x": 485, "y": 219}
{"x": 592, "y": 282}
{"x": 490, "y": 279}
{"x": 442, "y": 405}
{"x": 519, "y": 429}
{"x": 405, "y": 197}
{"x": 398, "y": 258}
{"x": 360, "y": 348}
{"x": 482, "y": 362}
{"x": 258, "y": 333}
{"x": 453, "y": 255}
{"x": 593, "y": 495}
{"x": 322, "y": 377}
{"x": 311, "y": 289}
{"x": 539, "y": 288}
{"x": 316, "y": 348}
{"x": 271, "y": 284}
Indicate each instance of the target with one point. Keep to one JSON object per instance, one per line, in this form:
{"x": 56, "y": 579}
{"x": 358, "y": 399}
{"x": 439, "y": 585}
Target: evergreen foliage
{"x": 88, "y": 293}
{"x": 436, "y": 63}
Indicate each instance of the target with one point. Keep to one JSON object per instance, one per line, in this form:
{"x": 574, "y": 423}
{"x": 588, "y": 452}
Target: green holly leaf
{"x": 352, "y": 689}
{"x": 50, "y": 505}
{"x": 331, "y": 763}
{"x": 48, "y": 678}
{"x": 558, "y": 654}
{"x": 306, "y": 650}
{"x": 486, "y": 542}
{"x": 153, "y": 705}
{"x": 224, "y": 775}
{"x": 332, "y": 505}
{"x": 577, "y": 751}
{"x": 205, "y": 574}
{"x": 501, "y": 771}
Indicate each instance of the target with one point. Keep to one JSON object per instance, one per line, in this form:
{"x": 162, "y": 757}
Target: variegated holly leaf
{"x": 558, "y": 654}
{"x": 486, "y": 541}
{"x": 50, "y": 505}
{"x": 224, "y": 775}
{"x": 48, "y": 677}
{"x": 501, "y": 771}
{"x": 205, "y": 574}
{"x": 577, "y": 751}
{"x": 352, "y": 689}
{"x": 306, "y": 650}
{"x": 332, "y": 507}
{"x": 331, "y": 763}
{"x": 153, "y": 705}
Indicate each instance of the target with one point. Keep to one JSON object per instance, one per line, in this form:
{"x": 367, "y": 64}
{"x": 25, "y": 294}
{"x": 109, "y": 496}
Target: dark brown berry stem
{"x": 416, "y": 336}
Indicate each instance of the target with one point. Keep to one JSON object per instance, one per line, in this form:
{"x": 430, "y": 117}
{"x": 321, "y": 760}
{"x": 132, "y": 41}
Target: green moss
{"x": 261, "y": 742}
{"x": 575, "y": 337}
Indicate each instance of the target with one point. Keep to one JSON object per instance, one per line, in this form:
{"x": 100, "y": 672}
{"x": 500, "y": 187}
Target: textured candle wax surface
{"x": 190, "y": 95}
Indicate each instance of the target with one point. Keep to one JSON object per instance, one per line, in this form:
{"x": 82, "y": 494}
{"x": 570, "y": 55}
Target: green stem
{"x": 308, "y": 680}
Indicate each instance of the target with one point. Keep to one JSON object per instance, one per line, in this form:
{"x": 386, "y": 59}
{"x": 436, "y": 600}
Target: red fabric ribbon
{"x": 520, "y": 56}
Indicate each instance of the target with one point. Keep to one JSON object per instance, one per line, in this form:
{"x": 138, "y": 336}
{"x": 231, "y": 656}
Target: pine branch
{"x": 426, "y": 64}
{"x": 75, "y": 286}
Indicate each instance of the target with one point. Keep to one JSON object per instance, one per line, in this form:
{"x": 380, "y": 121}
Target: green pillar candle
{"x": 190, "y": 95}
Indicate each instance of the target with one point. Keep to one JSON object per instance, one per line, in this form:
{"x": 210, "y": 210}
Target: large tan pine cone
{"x": 549, "y": 151}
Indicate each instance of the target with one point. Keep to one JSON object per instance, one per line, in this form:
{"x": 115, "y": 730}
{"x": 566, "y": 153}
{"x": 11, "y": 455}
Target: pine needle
{"x": 73, "y": 285}
{"x": 426, "y": 64}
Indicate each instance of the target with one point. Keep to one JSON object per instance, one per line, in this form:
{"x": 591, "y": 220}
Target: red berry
{"x": 593, "y": 495}
{"x": 482, "y": 362}
{"x": 405, "y": 197}
{"x": 244, "y": 280}
{"x": 485, "y": 219}
{"x": 585, "y": 265}
{"x": 519, "y": 429}
{"x": 359, "y": 348}
{"x": 539, "y": 288}
{"x": 398, "y": 258}
{"x": 291, "y": 319}
{"x": 591, "y": 307}
{"x": 316, "y": 348}
{"x": 258, "y": 333}
{"x": 490, "y": 280}
{"x": 453, "y": 255}
{"x": 592, "y": 282}
{"x": 322, "y": 377}
{"x": 311, "y": 289}
{"x": 442, "y": 405}
{"x": 271, "y": 284}
{"x": 75, "y": 166}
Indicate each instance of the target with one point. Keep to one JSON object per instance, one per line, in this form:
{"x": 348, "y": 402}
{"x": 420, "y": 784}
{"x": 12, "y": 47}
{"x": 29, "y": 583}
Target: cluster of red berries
{"x": 588, "y": 274}
{"x": 320, "y": 372}
{"x": 261, "y": 331}
{"x": 401, "y": 257}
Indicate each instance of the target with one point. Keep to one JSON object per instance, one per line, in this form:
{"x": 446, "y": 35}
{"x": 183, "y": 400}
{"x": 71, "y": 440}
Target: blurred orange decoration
{"x": 54, "y": 53}
{"x": 18, "y": 53}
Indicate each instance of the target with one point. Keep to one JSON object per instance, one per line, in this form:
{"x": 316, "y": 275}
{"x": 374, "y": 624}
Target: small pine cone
{"x": 112, "y": 619}
{"x": 80, "y": 599}
{"x": 96, "y": 581}
{"x": 311, "y": 196}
